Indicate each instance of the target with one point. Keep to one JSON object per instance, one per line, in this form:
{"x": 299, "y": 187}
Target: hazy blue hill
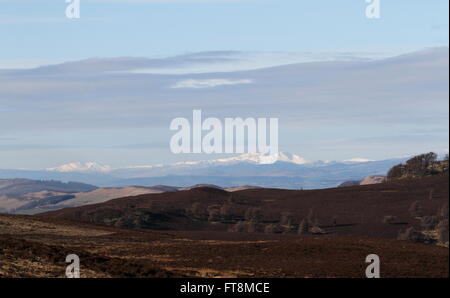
{"x": 14, "y": 187}
{"x": 280, "y": 174}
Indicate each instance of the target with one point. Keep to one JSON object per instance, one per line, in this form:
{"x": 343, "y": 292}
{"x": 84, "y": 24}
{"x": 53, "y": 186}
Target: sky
{"x": 114, "y": 101}
{"x": 39, "y": 30}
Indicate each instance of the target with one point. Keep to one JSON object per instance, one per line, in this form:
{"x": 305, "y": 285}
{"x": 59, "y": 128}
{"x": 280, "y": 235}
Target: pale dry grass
{"x": 23, "y": 225}
{"x": 23, "y": 268}
{"x": 209, "y": 273}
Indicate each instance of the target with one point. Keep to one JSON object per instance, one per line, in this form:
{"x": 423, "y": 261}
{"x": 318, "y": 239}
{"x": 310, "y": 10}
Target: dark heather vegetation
{"x": 399, "y": 208}
{"x": 433, "y": 226}
{"x": 37, "y": 247}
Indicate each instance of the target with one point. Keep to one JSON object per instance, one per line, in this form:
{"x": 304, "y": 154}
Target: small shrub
{"x": 273, "y": 229}
{"x": 287, "y": 219}
{"x": 239, "y": 227}
{"x": 269, "y": 229}
{"x": 251, "y": 227}
{"x": 316, "y": 230}
{"x": 246, "y": 227}
{"x": 429, "y": 222}
{"x": 253, "y": 214}
{"x": 388, "y": 219}
{"x": 410, "y": 234}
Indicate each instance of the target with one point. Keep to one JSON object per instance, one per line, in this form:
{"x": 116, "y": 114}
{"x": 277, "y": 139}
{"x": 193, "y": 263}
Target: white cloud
{"x": 200, "y": 84}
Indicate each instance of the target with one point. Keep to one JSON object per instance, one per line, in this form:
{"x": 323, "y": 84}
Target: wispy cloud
{"x": 353, "y": 101}
{"x": 138, "y": 65}
{"x": 91, "y": 93}
{"x": 201, "y": 84}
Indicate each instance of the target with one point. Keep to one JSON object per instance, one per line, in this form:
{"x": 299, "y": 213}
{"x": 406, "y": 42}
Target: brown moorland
{"x": 187, "y": 234}
{"x": 113, "y": 252}
{"x": 346, "y": 211}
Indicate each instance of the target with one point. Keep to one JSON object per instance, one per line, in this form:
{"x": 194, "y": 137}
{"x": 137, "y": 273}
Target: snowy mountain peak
{"x": 293, "y": 158}
{"x": 254, "y": 158}
{"x": 259, "y": 158}
{"x": 81, "y": 167}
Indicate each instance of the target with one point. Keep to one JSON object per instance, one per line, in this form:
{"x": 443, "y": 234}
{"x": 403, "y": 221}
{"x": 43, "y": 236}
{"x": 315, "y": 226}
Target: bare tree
{"x": 415, "y": 210}
{"x": 410, "y": 234}
{"x": 443, "y": 231}
{"x": 253, "y": 214}
{"x": 303, "y": 228}
{"x": 213, "y": 214}
{"x": 443, "y": 211}
{"x": 312, "y": 217}
{"x": 227, "y": 211}
{"x": 286, "y": 218}
{"x": 287, "y": 221}
{"x": 335, "y": 220}
{"x": 420, "y": 165}
{"x": 198, "y": 211}
{"x": 273, "y": 229}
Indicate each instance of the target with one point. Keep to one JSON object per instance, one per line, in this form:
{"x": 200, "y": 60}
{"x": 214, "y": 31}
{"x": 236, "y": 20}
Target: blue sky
{"x": 117, "y": 111}
{"x": 38, "y": 29}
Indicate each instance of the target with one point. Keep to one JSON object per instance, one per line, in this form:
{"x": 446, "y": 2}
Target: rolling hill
{"x": 349, "y": 211}
{"x": 211, "y": 232}
{"x": 26, "y": 196}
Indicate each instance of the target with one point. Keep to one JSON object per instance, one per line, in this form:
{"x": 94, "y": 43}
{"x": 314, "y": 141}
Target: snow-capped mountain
{"x": 358, "y": 160}
{"x": 282, "y": 170}
{"x": 262, "y": 159}
{"x": 252, "y": 158}
{"x": 81, "y": 167}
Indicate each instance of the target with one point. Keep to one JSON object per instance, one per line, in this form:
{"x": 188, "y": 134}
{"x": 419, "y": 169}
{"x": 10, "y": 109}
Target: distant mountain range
{"x": 285, "y": 170}
{"x": 23, "y": 186}
{"x": 26, "y": 196}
